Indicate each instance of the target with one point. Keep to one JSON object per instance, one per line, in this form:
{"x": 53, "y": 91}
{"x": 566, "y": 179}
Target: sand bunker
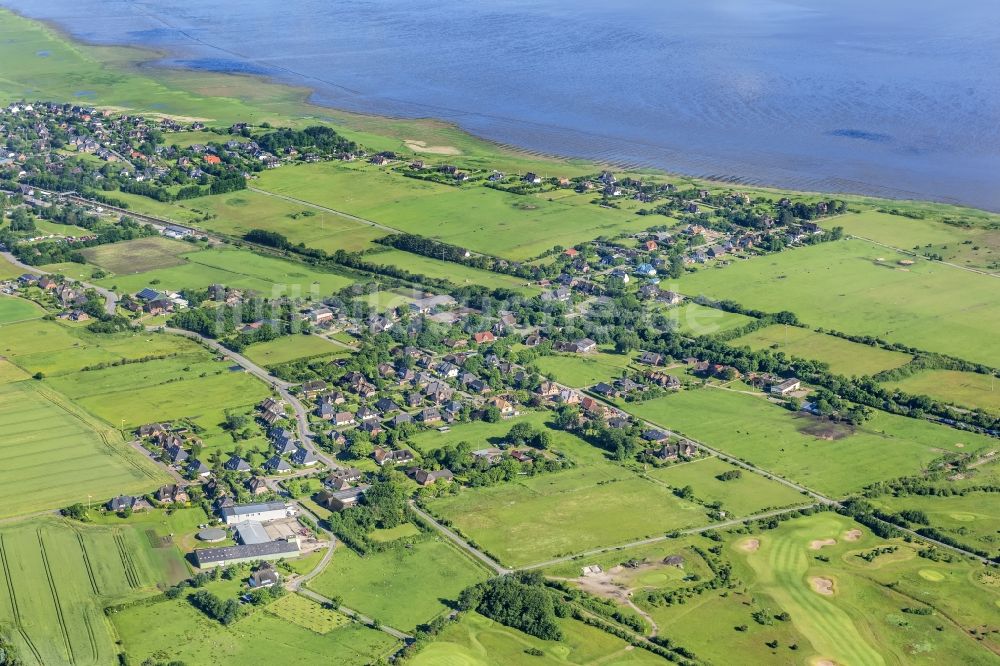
{"x": 750, "y": 545}
{"x": 823, "y": 662}
{"x": 822, "y": 543}
{"x": 853, "y": 535}
{"x": 822, "y": 585}
{"x": 422, "y": 147}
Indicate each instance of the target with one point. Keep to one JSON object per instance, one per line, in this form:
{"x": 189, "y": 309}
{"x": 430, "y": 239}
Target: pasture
{"x": 580, "y": 370}
{"x": 843, "y": 356}
{"x": 161, "y": 389}
{"x": 517, "y": 227}
{"x": 55, "y": 454}
{"x": 830, "y": 458}
{"x": 747, "y": 495}
{"x": 290, "y": 348}
{"x": 571, "y": 511}
{"x": 843, "y": 286}
{"x": 240, "y": 269}
{"x": 58, "y": 578}
{"x": 967, "y": 389}
{"x": 18, "y": 309}
{"x": 236, "y": 213}
{"x": 56, "y": 348}
{"x": 431, "y": 571}
{"x": 139, "y": 255}
{"x": 479, "y": 641}
{"x": 458, "y": 274}
{"x": 694, "y": 319}
{"x": 176, "y": 630}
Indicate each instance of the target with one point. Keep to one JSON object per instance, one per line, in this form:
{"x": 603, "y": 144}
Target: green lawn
{"x": 803, "y": 448}
{"x": 240, "y": 269}
{"x": 479, "y": 641}
{"x": 968, "y": 389}
{"x": 580, "y": 370}
{"x": 55, "y": 454}
{"x": 747, "y": 495}
{"x": 289, "y": 348}
{"x": 431, "y": 571}
{"x": 60, "y": 575}
{"x": 843, "y": 356}
{"x": 972, "y": 519}
{"x": 18, "y": 309}
{"x": 861, "y": 621}
{"x": 843, "y": 286}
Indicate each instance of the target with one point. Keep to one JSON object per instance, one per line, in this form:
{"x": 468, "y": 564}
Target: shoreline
{"x": 152, "y": 63}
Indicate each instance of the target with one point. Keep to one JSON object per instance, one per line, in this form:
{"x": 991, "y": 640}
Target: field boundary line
{"x": 57, "y": 602}
{"x": 13, "y": 603}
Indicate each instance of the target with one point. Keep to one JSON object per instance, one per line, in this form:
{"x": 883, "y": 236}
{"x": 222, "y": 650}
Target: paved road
{"x": 110, "y": 299}
{"x": 460, "y": 542}
{"x": 174, "y": 474}
{"x": 301, "y": 414}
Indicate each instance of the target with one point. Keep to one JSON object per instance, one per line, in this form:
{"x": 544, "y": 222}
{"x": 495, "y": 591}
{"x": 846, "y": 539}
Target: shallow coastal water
{"x": 894, "y": 98}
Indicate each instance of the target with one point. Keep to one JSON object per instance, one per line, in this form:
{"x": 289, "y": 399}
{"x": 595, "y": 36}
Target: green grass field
{"x": 17, "y": 309}
{"x": 234, "y": 214}
{"x": 968, "y": 389}
{"x": 479, "y": 641}
{"x": 290, "y": 348}
{"x": 447, "y": 270}
{"x": 861, "y": 621}
{"x": 570, "y": 512}
{"x": 842, "y": 286}
{"x": 55, "y": 454}
{"x": 160, "y": 390}
{"x": 973, "y": 519}
{"x": 802, "y": 448}
{"x": 694, "y": 319}
{"x": 142, "y": 253}
{"x": 240, "y": 269}
{"x": 424, "y": 575}
{"x": 478, "y": 218}
{"x": 747, "y": 495}
{"x": 59, "y": 576}
{"x": 176, "y": 630}
{"x": 580, "y": 370}
{"x": 975, "y": 245}
{"x": 843, "y": 356}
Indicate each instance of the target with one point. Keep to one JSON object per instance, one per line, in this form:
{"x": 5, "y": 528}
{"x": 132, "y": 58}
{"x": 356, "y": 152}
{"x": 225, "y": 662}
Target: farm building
{"x": 260, "y": 512}
{"x": 220, "y": 557}
{"x": 786, "y": 387}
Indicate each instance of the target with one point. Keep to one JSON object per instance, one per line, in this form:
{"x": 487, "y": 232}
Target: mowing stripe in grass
{"x": 827, "y": 625}
{"x": 54, "y": 591}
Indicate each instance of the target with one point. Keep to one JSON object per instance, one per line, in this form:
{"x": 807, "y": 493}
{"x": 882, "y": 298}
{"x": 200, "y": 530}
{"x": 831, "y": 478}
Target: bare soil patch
{"x": 853, "y": 535}
{"x": 750, "y": 545}
{"x": 422, "y": 147}
{"x": 822, "y": 585}
{"x": 816, "y": 544}
{"x": 826, "y": 429}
